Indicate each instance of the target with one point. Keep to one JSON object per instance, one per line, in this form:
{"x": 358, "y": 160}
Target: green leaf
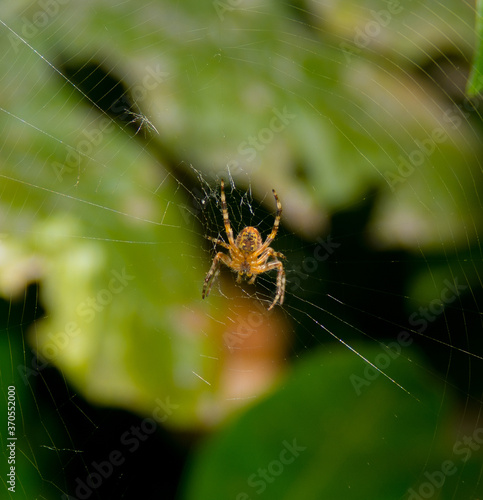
{"x": 123, "y": 310}
{"x": 475, "y": 81}
{"x": 337, "y": 429}
{"x": 28, "y": 454}
{"x": 74, "y": 220}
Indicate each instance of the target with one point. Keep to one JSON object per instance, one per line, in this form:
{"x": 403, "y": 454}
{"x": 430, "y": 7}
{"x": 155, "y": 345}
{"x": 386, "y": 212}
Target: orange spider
{"x": 248, "y": 256}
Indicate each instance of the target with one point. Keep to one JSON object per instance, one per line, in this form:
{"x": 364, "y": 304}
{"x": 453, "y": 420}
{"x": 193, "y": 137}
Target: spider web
{"x": 93, "y": 190}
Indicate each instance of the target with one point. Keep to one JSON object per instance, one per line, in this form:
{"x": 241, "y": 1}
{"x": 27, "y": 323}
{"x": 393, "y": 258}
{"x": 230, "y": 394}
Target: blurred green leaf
{"x": 28, "y": 431}
{"x": 75, "y": 222}
{"x": 350, "y": 112}
{"x": 103, "y": 232}
{"x": 475, "y": 81}
{"x": 368, "y": 440}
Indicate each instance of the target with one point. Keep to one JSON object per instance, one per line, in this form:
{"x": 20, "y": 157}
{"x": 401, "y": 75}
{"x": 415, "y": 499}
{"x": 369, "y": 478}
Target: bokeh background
{"x": 118, "y": 121}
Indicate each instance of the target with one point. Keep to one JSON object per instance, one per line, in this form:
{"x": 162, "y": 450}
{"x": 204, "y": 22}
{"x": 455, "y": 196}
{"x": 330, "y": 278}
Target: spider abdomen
{"x": 249, "y": 240}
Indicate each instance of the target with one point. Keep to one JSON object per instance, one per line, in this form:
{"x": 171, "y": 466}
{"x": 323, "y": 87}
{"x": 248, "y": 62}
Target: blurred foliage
{"x": 102, "y": 222}
{"x": 475, "y": 81}
{"x": 29, "y": 482}
{"x": 360, "y": 449}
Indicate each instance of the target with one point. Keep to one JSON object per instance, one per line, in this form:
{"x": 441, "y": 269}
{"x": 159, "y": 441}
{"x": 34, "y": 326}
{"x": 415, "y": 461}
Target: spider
{"x": 248, "y": 256}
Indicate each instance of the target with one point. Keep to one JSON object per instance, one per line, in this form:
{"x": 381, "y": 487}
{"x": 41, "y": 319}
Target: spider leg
{"x": 226, "y": 217}
{"x": 272, "y": 235}
{"x": 220, "y": 257}
{"x": 218, "y": 242}
{"x": 269, "y": 252}
{"x": 279, "y": 296}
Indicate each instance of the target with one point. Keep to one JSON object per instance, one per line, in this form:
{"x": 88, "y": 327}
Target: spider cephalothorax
{"x": 248, "y": 255}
